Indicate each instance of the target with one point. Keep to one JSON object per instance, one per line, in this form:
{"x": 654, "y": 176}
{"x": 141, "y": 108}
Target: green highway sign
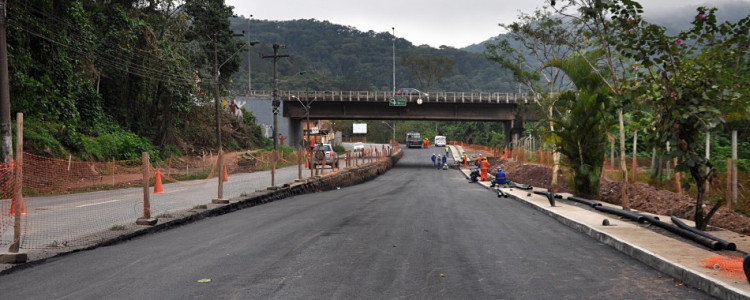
{"x": 398, "y": 101}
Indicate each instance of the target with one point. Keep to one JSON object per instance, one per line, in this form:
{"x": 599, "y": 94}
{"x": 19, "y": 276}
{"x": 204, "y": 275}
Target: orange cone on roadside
{"x": 226, "y": 177}
{"x": 158, "y": 189}
{"x": 12, "y": 211}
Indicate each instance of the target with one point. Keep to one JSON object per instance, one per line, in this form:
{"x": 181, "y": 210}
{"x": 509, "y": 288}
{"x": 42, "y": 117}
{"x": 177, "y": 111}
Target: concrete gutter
{"x": 674, "y": 257}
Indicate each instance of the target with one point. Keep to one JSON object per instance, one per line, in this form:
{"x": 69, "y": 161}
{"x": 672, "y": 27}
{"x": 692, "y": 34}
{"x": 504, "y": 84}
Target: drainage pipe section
{"x": 723, "y": 243}
{"x": 584, "y": 201}
{"x": 623, "y": 213}
{"x": 714, "y": 245}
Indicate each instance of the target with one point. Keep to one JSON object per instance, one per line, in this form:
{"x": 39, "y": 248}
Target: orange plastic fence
{"x": 728, "y": 266}
{"x": 8, "y": 202}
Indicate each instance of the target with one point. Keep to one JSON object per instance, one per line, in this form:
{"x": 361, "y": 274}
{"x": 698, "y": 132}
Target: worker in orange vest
{"x": 485, "y": 167}
{"x": 479, "y": 161}
{"x": 466, "y": 161}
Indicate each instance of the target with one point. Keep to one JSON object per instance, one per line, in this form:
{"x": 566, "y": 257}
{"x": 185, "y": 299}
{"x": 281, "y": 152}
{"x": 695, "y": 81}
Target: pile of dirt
{"x": 642, "y": 197}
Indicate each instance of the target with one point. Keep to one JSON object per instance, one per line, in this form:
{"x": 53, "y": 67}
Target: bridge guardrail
{"x": 380, "y": 96}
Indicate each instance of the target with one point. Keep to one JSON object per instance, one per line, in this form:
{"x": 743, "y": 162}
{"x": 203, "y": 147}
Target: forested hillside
{"x": 110, "y": 79}
{"x": 337, "y": 57}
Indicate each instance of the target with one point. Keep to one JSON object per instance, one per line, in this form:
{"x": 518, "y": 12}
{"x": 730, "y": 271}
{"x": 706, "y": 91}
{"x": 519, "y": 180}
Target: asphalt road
{"x": 70, "y": 219}
{"x": 412, "y": 233}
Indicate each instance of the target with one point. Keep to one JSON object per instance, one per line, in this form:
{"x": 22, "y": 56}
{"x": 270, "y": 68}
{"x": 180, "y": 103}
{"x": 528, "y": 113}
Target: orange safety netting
{"x": 728, "y": 266}
{"x": 9, "y": 202}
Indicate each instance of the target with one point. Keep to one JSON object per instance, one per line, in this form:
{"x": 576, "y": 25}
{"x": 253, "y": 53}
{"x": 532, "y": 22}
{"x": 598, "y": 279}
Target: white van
{"x": 439, "y": 141}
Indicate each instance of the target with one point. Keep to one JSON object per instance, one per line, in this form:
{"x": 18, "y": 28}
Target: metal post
{"x": 18, "y": 193}
{"x": 394, "y": 61}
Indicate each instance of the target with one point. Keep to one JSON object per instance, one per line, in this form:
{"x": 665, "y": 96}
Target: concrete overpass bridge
{"x": 368, "y": 105}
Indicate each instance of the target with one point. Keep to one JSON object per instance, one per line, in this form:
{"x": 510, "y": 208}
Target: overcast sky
{"x": 456, "y": 23}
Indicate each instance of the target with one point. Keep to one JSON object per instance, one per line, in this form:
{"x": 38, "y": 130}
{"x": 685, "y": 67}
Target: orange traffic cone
{"x": 12, "y": 211}
{"x": 158, "y": 189}
{"x": 226, "y": 177}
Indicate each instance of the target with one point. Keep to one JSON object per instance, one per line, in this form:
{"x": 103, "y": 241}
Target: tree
{"x": 525, "y": 50}
{"x": 696, "y": 80}
{"x": 582, "y": 130}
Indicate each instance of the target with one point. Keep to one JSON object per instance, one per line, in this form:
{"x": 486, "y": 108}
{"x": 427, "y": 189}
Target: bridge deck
{"x": 372, "y": 96}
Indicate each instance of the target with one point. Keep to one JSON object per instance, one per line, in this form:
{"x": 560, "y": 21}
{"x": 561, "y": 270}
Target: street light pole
{"x": 394, "y": 61}
{"x": 392, "y": 127}
{"x": 276, "y": 103}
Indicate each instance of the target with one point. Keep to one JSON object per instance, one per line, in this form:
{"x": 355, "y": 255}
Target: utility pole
{"x": 249, "y": 74}
{"x": 5, "y": 126}
{"x": 276, "y": 103}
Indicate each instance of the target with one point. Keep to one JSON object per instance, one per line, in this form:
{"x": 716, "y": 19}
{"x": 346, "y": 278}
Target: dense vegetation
{"x": 673, "y": 88}
{"x": 110, "y": 79}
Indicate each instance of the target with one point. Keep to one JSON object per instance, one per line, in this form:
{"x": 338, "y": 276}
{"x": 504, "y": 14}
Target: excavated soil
{"x": 642, "y": 197}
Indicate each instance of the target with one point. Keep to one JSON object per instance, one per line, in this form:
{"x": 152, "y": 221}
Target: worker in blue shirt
{"x": 499, "y": 178}
{"x": 445, "y": 161}
{"x": 433, "y": 160}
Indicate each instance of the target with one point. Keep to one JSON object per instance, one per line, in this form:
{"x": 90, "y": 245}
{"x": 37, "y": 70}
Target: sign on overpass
{"x": 397, "y": 101}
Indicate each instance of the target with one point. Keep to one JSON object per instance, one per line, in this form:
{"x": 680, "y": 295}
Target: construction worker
{"x": 485, "y": 167}
{"x": 500, "y": 178}
{"x": 445, "y": 162}
{"x": 439, "y": 162}
{"x": 433, "y": 160}
{"x": 479, "y": 160}
{"x": 474, "y": 175}
{"x": 466, "y": 160}
{"x": 447, "y": 150}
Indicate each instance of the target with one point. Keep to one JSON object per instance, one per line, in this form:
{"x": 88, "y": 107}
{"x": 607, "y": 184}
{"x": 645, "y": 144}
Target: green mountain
{"x": 326, "y": 56}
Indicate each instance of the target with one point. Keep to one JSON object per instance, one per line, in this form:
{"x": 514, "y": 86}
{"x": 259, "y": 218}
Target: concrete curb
{"x": 661, "y": 264}
{"x": 330, "y": 181}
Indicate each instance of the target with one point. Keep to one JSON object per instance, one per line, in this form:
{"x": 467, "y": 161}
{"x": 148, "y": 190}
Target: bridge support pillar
{"x": 296, "y": 133}
{"x": 513, "y": 132}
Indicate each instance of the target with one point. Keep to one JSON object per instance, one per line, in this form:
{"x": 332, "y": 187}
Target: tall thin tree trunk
{"x": 635, "y": 156}
{"x": 623, "y": 164}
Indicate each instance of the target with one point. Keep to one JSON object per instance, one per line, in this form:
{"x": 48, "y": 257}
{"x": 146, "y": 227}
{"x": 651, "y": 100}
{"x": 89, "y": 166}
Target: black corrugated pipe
{"x": 685, "y": 233}
{"x": 521, "y": 186}
{"x": 623, "y": 213}
{"x": 556, "y": 196}
{"x": 723, "y": 243}
{"x": 550, "y": 196}
{"x": 584, "y": 201}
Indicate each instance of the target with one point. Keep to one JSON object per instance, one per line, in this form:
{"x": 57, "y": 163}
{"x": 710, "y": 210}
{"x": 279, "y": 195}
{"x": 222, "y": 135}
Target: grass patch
{"x": 117, "y": 228}
{"x": 164, "y": 216}
{"x": 56, "y": 244}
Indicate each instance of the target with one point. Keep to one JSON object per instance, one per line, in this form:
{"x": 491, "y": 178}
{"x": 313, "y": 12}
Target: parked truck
{"x": 413, "y": 139}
